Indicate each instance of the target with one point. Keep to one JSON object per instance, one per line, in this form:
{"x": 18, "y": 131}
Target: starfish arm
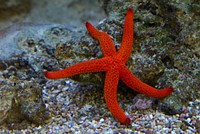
{"x": 133, "y": 82}
{"x": 104, "y": 39}
{"x": 127, "y": 38}
{"x": 82, "y": 67}
{"x": 110, "y": 94}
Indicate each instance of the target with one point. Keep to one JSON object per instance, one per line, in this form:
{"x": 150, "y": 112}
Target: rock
{"x": 165, "y": 51}
{"x": 21, "y": 77}
{"x": 13, "y": 8}
{"x": 26, "y": 49}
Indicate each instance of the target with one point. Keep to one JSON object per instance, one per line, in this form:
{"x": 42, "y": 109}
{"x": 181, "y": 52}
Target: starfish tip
{"x": 46, "y": 73}
{"x": 87, "y": 24}
{"x": 127, "y": 121}
{"x": 171, "y": 89}
{"x": 130, "y": 10}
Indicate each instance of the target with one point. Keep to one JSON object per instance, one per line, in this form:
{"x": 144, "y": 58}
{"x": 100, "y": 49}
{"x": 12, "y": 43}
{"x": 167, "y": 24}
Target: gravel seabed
{"x": 79, "y": 109}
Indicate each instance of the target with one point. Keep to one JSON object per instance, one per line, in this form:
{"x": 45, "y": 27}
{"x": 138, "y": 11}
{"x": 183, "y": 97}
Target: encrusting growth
{"x": 113, "y": 63}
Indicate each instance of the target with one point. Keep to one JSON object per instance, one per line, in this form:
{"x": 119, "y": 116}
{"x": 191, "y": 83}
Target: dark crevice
{"x": 168, "y": 62}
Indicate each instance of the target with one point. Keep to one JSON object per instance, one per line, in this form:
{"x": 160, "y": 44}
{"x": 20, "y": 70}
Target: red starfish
{"x": 113, "y": 63}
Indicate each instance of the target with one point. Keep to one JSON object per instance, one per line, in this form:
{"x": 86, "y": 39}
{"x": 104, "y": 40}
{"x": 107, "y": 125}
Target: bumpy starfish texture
{"x": 113, "y": 63}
